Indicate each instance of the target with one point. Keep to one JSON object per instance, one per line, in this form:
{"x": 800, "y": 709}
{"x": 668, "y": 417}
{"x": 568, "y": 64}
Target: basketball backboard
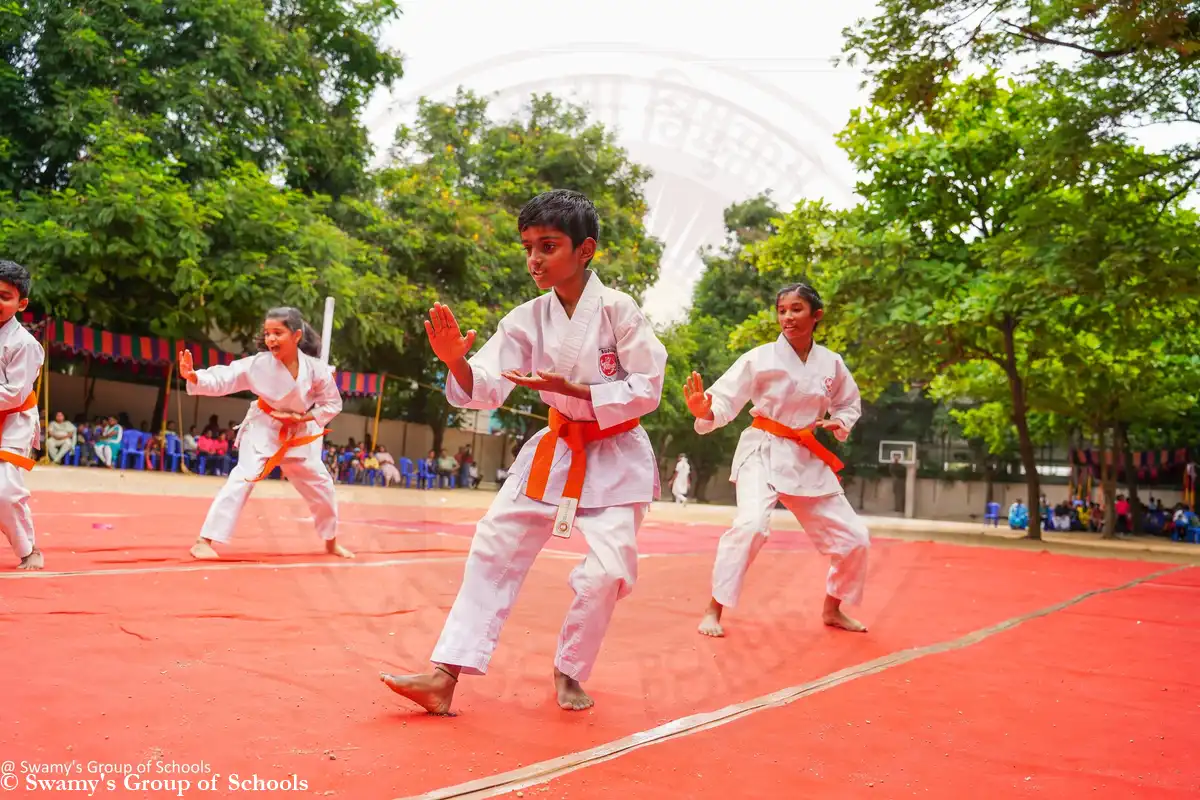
{"x": 898, "y": 453}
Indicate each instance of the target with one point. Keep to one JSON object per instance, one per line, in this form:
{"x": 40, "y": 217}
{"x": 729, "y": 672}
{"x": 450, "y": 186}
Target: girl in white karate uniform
{"x": 596, "y": 362}
{"x": 297, "y": 398}
{"x": 795, "y": 386}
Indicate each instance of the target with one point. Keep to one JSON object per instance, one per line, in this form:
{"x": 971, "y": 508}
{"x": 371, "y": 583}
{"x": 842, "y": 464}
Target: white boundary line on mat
{"x": 545, "y": 771}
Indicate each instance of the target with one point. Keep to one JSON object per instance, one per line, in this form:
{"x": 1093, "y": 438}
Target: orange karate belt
{"x": 286, "y": 442}
{"x": 7, "y": 455}
{"x": 577, "y": 435}
{"x": 803, "y": 436}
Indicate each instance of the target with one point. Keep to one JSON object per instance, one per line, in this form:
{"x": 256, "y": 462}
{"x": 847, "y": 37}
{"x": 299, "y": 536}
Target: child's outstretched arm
{"x": 480, "y": 383}
{"x": 724, "y": 400}
{"x": 19, "y": 376}
{"x": 215, "y": 381}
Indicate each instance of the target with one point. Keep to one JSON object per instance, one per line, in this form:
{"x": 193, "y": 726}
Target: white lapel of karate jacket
{"x": 576, "y": 328}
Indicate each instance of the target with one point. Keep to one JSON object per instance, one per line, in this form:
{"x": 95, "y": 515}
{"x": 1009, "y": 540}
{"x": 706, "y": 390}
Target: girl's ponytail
{"x": 310, "y": 342}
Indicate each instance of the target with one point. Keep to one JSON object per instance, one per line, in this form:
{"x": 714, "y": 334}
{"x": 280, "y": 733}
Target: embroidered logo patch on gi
{"x": 610, "y": 365}
{"x": 829, "y": 385}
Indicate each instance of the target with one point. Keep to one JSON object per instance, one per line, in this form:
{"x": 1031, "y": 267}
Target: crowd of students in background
{"x": 355, "y": 463}
{"x": 1079, "y": 515}
{"x": 211, "y": 450}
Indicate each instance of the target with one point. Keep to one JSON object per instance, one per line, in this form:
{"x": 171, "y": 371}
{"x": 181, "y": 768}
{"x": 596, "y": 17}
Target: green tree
{"x": 1124, "y": 65}
{"x": 119, "y": 242}
{"x": 279, "y": 85}
{"x": 445, "y": 214}
{"x": 127, "y": 245}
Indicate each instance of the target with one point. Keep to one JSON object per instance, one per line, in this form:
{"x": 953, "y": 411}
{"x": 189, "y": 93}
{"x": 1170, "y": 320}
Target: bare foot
{"x": 834, "y": 617}
{"x": 32, "y": 561}
{"x": 432, "y": 691}
{"x": 711, "y": 624}
{"x": 571, "y": 696}
{"x": 202, "y": 550}
{"x": 335, "y": 549}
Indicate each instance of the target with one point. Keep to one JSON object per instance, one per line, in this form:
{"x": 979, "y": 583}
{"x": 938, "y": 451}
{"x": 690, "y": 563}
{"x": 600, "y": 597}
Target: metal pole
{"x": 327, "y": 331}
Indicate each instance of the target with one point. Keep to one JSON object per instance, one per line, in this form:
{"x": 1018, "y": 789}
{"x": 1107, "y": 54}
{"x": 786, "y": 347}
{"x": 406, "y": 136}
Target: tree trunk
{"x": 439, "y": 434}
{"x": 700, "y": 481}
{"x": 89, "y": 388}
{"x": 1137, "y": 511}
{"x": 1033, "y": 481}
{"x": 1108, "y": 473}
{"x": 160, "y": 405}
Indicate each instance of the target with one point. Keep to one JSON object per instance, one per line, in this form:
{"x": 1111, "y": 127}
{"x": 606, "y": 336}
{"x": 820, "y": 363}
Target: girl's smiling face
{"x": 796, "y": 318}
{"x": 282, "y": 342}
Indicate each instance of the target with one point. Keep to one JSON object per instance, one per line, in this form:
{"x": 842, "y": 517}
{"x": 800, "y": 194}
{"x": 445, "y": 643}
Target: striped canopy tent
{"x": 82, "y": 340}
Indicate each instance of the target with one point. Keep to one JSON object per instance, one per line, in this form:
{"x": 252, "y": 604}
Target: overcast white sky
{"x": 720, "y": 100}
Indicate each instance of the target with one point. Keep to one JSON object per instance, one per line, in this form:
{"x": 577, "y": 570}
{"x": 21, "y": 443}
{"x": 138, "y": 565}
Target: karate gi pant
{"x": 303, "y": 468}
{"x": 506, "y": 542}
{"x": 15, "y": 517}
{"x": 830, "y": 521}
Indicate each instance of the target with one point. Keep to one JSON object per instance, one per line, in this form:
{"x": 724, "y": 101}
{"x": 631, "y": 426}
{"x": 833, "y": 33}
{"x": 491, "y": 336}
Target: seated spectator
{"x": 155, "y": 448}
{"x": 369, "y": 462}
{"x": 213, "y": 428}
{"x": 387, "y": 466}
{"x": 87, "y": 444}
{"x": 1062, "y": 517}
{"x": 1181, "y": 520}
{"x": 447, "y": 466}
{"x": 1018, "y": 516}
{"x": 206, "y": 446}
{"x": 189, "y": 443}
{"x": 61, "y": 438}
{"x": 220, "y": 454}
{"x": 108, "y": 446}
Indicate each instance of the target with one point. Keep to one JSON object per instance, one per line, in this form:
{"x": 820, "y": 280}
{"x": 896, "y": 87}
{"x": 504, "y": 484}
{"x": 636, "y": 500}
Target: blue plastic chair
{"x": 426, "y": 478}
{"x": 407, "y": 473}
{"x": 992, "y": 514}
{"x": 133, "y": 447}
{"x": 174, "y": 452}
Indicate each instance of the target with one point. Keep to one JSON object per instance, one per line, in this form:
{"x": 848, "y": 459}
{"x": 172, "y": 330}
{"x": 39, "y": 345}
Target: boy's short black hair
{"x": 13, "y": 273}
{"x": 564, "y": 210}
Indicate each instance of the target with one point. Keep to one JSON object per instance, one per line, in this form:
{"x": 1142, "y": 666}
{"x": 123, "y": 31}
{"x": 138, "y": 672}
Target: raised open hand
{"x": 445, "y": 337}
{"x": 186, "y": 370}
{"x": 698, "y": 401}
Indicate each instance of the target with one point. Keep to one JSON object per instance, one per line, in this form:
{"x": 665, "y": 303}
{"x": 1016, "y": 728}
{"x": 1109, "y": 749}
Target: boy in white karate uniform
{"x": 297, "y": 398}
{"x": 21, "y": 359}
{"x": 596, "y": 362}
{"x": 795, "y": 386}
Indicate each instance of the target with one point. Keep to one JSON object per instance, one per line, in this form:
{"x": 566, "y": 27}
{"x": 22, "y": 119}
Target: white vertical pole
{"x": 910, "y": 491}
{"x": 327, "y": 331}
